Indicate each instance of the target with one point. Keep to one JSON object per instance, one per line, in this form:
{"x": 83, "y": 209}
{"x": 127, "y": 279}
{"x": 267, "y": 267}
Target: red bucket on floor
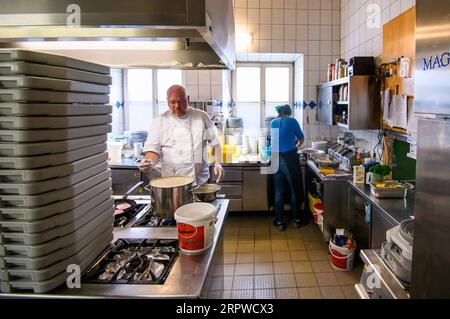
{"x": 318, "y": 210}
{"x": 341, "y": 257}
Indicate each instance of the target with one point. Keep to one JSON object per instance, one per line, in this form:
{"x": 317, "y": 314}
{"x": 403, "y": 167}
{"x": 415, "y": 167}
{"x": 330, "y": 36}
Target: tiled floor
{"x": 262, "y": 262}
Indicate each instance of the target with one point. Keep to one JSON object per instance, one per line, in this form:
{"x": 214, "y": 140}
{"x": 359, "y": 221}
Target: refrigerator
{"x": 431, "y": 256}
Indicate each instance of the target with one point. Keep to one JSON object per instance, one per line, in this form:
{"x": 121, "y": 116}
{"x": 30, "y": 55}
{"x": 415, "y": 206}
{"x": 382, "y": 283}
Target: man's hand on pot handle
{"x": 219, "y": 171}
{"x": 145, "y": 166}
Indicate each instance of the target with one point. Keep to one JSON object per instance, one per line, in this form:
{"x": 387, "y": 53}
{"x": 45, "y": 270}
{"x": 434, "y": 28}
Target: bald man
{"x": 179, "y": 139}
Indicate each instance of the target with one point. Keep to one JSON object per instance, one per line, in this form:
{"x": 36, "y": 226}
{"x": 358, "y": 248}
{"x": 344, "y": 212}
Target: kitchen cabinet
{"x": 351, "y": 103}
{"x": 255, "y": 190}
{"x": 231, "y": 185}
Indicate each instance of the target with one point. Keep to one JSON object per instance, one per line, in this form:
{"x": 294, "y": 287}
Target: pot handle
{"x": 220, "y": 195}
{"x": 193, "y": 188}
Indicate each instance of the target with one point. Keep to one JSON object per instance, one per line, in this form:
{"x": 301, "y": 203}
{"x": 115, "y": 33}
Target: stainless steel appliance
{"x": 431, "y": 260}
{"x": 152, "y": 33}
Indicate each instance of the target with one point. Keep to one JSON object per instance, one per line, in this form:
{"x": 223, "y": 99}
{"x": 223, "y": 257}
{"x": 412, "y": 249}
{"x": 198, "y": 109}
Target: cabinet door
{"x": 255, "y": 190}
{"x": 325, "y": 104}
{"x": 379, "y": 227}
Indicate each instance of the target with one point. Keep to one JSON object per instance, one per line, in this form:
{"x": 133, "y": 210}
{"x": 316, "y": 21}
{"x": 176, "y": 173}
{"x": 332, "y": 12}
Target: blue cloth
{"x": 289, "y": 133}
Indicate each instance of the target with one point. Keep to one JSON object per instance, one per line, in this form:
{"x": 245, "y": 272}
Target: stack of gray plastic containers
{"x": 56, "y": 207}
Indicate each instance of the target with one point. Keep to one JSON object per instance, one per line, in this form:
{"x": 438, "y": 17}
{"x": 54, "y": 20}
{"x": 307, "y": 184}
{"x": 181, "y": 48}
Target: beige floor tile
{"x": 214, "y": 294}
{"x": 306, "y": 280}
{"x": 313, "y": 245}
{"x": 243, "y": 282}
{"x": 229, "y": 258}
{"x": 265, "y": 294}
{"x": 296, "y": 244}
{"x": 279, "y": 245}
{"x": 262, "y": 237}
{"x": 334, "y": 292}
{"x": 312, "y": 237}
{"x": 263, "y": 257}
{"x": 263, "y": 247}
{"x": 293, "y": 234}
{"x": 242, "y": 294}
{"x": 318, "y": 254}
{"x": 264, "y": 281}
{"x": 263, "y": 268}
{"x": 284, "y": 267}
{"x": 285, "y": 281}
{"x": 287, "y": 293}
{"x": 217, "y": 283}
{"x": 345, "y": 278}
{"x": 243, "y": 258}
{"x": 228, "y": 270}
{"x": 302, "y": 266}
{"x": 326, "y": 279}
{"x": 309, "y": 293}
{"x": 244, "y": 269}
{"x": 229, "y": 249}
{"x": 299, "y": 255}
{"x": 281, "y": 256}
{"x": 245, "y": 248}
{"x": 321, "y": 266}
{"x": 350, "y": 292}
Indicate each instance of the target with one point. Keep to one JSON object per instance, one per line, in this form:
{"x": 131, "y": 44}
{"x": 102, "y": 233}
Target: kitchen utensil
{"x": 206, "y": 192}
{"x": 123, "y": 206}
{"x": 169, "y": 193}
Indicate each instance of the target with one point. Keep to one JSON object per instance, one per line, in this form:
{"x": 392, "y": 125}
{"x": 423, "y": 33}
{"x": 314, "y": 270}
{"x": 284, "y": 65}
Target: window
{"x": 258, "y": 88}
{"x": 248, "y": 97}
{"x": 139, "y": 99}
{"x": 166, "y": 78}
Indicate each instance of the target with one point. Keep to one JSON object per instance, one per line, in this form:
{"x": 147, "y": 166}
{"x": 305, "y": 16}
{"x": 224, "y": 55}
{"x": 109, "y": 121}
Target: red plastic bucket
{"x": 318, "y": 210}
{"x": 341, "y": 257}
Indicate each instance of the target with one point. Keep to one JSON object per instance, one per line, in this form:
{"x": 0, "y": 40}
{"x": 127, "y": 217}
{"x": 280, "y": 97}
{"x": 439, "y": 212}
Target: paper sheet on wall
{"x": 412, "y": 118}
{"x": 399, "y": 111}
{"x": 385, "y": 104}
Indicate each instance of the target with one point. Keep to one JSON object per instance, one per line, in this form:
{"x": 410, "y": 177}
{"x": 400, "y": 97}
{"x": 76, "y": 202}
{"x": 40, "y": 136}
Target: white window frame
{"x": 262, "y": 66}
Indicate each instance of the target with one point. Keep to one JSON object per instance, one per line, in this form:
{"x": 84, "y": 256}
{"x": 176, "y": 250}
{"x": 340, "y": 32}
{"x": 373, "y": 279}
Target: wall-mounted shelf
{"x": 361, "y": 110}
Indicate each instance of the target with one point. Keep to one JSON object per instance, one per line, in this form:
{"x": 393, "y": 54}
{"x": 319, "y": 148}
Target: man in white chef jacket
{"x": 179, "y": 138}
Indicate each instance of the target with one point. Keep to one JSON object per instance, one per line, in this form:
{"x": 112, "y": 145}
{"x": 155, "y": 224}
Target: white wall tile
{"x": 302, "y": 32}
{"x": 289, "y": 32}
{"x": 240, "y": 16}
{"x": 240, "y": 3}
{"x": 314, "y": 16}
{"x": 314, "y": 4}
{"x": 265, "y": 31}
{"x": 326, "y": 4}
{"x": 326, "y": 17}
{"x": 265, "y": 4}
{"x": 191, "y": 77}
{"x": 302, "y": 17}
{"x": 289, "y": 46}
{"x": 216, "y": 92}
{"x": 216, "y": 77}
{"x": 290, "y": 4}
{"x": 277, "y": 3}
{"x": 193, "y": 92}
{"x": 302, "y": 4}
{"x": 204, "y": 92}
{"x": 253, "y": 3}
{"x": 253, "y": 16}
{"x": 265, "y": 16}
{"x": 290, "y": 16}
{"x": 314, "y": 47}
{"x": 204, "y": 77}
{"x": 265, "y": 46}
{"x": 302, "y": 46}
{"x": 277, "y": 46}
{"x": 277, "y": 31}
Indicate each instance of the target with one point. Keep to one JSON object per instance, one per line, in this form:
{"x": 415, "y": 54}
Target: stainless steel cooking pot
{"x": 205, "y": 192}
{"x": 169, "y": 193}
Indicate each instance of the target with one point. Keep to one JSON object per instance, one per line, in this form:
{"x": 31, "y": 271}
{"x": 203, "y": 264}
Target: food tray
{"x": 389, "y": 193}
{"x": 84, "y": 237}
{"x": 7, "y": 55}
{"x": 34, "y": 188}
{"x": 27, "y": 68}
{"x": 36, "y": 175}
{"x": 31, "y": 227}
{"x": 26, "y": 95}
{"x": 31, "y": 149}
{"x": 53, "y": 196}
{"x": 37, "y": 109}
{"x": 34, "y": 82}
{"x": 44, "y": 280}
{"x": 75, "y": 203}
{"x": 24, "y": 136}
{"x": 47, "y": 122}
{"x": 14, "y": 242}
{"x": 31, "y": 162}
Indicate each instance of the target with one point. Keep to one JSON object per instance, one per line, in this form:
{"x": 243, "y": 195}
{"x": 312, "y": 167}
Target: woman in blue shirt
{"x": 286, "y": 137}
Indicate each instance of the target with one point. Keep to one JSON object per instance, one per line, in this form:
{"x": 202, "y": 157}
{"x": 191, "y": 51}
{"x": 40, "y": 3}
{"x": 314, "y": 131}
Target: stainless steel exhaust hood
{"x": 135, "y": 33}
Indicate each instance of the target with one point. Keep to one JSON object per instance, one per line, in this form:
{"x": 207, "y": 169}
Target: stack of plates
{"x": 138, "y": 137}
{"x": 234, "y": 125}
{"x": 56, "y": 207}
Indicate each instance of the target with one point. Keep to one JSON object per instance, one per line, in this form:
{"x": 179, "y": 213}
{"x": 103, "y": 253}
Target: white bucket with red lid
{"x": 195, "y": 224}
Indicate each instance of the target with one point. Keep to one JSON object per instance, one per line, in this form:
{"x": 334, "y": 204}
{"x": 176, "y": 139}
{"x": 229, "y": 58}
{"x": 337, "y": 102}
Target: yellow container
{"x": 210, "y": 157}
{"x": 312, "y": 201}
{"x": 227, "y": 153}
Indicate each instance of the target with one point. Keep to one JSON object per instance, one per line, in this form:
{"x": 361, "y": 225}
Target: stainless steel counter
{"x": 188, "y": 278}
{"x": 395, "y": 210}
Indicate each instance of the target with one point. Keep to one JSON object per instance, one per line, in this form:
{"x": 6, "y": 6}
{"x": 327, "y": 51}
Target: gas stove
{"x": 124, "y": 220}
{"x": 134, "y": 261}
{"x": 150, "y": 220}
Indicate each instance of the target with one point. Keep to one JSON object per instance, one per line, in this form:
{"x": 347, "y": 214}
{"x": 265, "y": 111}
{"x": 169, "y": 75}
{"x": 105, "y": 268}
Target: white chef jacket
{"x": 182, "y": 143}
